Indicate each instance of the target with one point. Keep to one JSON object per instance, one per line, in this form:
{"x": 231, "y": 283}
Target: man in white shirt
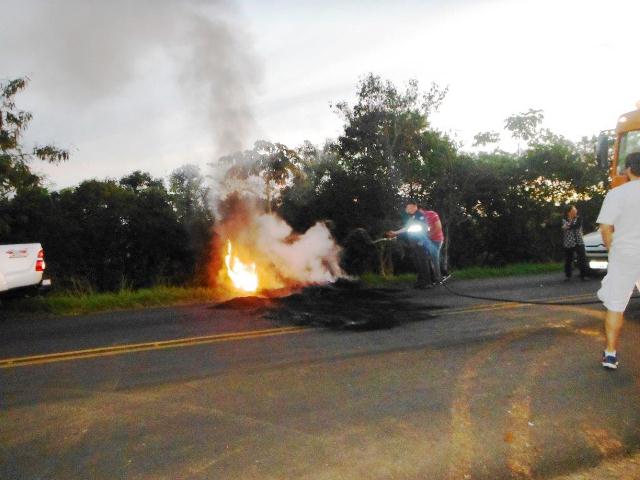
{"x": 620, "y": 231}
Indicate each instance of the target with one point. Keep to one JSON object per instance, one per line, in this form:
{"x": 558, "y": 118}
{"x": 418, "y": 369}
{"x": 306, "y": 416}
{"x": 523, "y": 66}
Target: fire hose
{"x": 524, "y": 302}
{"x": 415, "y": 227}
{"x": 506, "y": 300}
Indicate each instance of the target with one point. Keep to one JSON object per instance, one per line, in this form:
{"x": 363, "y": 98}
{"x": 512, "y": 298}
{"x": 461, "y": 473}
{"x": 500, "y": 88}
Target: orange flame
{"x": 244, "y": 277}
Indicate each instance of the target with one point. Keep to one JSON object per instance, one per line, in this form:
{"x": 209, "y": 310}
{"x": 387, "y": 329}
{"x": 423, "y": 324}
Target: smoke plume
{"x": 88, "y": 52}
{"x": 284, "y": 259}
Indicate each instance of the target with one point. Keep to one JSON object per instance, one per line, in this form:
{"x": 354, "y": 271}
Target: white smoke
{"x": 284, "y": 258}
{"x": 313, "y": 257}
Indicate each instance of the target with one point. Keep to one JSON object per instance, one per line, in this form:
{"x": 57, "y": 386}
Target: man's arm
{"x": 395, "y": 233}
{"x": 607, "y": 234}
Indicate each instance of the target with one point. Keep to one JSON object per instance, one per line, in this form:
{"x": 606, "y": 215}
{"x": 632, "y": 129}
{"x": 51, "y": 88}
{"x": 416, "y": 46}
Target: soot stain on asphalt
{"x": 343, "y": 305}
{"x": 349, "y": 306}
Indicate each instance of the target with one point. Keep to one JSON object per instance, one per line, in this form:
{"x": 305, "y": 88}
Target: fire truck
{"x": 626, "y": 141}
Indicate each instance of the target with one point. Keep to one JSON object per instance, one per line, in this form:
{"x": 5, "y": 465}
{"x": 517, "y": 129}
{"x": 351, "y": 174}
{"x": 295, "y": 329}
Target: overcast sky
{"x": 154, "y": 84}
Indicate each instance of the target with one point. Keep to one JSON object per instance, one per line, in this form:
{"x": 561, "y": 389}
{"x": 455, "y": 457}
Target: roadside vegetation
{"x": 161, "y": 296}
{"x": 111, "y": 242}
{"x": 470, "y": 273}
{"x": 61, "y": 303}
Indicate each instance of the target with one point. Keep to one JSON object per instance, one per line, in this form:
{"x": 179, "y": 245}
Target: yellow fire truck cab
{"x": 627, "y": 140}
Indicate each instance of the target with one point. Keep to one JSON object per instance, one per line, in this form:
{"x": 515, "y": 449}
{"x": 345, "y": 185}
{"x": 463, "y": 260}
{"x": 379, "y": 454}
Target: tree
{"x": 383, "y": 131}
{"x": 482, "y": 139}
{"x": 274, "y": 164}
{"x": 388, "y": 148}
{"x": 15, "y": 174}
{"x": 190, "y": 199}
{"x": 139, "y": 181}
{"x": 14, "y": 160}
{"x": 525, "y": 126}
{"x": 105, "y": 235}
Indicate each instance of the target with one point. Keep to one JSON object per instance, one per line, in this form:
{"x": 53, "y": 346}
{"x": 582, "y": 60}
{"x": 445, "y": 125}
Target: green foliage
{"x": 383, "y": 156}
{"x": 526, "y": 125}
{"x": 384, "y": 134}
{"x": 107, "y": 235}
{"x": 377, "y": 280}
{"x": 74, "y": 303}
{"x": 511, "y": 270}
{"x": 15, "y": 174}
{"x": 189, "y": 197}
{"x": 101, "y": 235}
{"x": 470, "y": 273}
{"x": 497, "y": 208}
{"x": 139, "y": 181}
{"x": 273, "y": 163}
{"x": 485, "y": 138}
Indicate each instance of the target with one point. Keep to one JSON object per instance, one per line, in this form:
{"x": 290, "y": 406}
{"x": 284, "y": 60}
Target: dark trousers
{"x": 582, "y": 261}
{"x": 421, "y": 261}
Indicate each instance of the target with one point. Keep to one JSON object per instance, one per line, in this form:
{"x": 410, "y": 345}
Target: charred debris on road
{"x": 346, "y": 305}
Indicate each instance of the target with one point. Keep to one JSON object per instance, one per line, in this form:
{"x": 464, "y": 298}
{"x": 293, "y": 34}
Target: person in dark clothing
{"x": 573, "y": 243}
{"x": 416, "y": 233}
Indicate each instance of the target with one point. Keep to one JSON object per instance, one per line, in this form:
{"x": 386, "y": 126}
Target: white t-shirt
{"x": 621, "y": 208}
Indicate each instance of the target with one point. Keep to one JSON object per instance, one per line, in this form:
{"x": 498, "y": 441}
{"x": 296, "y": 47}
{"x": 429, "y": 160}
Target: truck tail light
{"x": 40, "y": 266}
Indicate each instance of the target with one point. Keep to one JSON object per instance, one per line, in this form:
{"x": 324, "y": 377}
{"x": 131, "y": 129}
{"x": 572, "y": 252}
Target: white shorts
{"x": 623, "y": 273}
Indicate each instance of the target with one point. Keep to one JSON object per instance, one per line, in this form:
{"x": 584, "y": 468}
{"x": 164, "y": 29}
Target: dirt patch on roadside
{"x": 245, "y": 303}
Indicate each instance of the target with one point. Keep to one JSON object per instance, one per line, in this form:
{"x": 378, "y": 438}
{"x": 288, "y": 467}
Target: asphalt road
{"x": 469, "y": 389}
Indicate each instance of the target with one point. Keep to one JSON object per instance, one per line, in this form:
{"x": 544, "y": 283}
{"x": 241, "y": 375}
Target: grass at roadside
{"x": 75, "y": 304}
{"x": 513, "y": 270}
{"x": 470, "y": 273}
{"x": 376, "y": 280}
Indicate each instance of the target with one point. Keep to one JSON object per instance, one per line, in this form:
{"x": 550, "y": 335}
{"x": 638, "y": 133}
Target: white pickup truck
{"x": 22, "y": 268}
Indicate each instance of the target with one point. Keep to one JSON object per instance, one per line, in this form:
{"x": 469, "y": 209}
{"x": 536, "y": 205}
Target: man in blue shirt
{"x": 415, "y": 232}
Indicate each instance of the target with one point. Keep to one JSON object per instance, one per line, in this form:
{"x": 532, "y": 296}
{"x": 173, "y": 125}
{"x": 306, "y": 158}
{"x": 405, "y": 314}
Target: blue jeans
{"x": 433, "y": 248}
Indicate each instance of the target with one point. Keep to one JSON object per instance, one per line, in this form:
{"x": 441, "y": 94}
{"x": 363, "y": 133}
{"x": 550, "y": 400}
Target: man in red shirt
{"x": 434, "y": 242}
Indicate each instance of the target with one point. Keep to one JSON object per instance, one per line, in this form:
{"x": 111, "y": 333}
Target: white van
{"x": 22, "y": 267}
{"x": 597, "y": 253}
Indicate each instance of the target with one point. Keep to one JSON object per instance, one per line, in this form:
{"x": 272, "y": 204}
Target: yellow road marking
{"x": 183, "y": 342}
{"x": 141, "y": 347}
